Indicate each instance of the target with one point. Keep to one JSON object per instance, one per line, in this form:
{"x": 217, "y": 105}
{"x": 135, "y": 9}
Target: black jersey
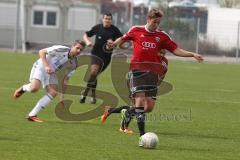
{"x": 102, "y": 35}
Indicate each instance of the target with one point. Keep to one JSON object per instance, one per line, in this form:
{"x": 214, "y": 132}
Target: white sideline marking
{"x": 209, "y": 90}
{"x": 206, "y": 101}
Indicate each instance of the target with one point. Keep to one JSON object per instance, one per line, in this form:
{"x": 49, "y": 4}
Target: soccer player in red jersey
{"x": 146, "y": 67}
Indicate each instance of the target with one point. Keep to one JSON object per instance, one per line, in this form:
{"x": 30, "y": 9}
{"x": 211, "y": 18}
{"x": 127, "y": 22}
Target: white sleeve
{"x": 56, "y": 50}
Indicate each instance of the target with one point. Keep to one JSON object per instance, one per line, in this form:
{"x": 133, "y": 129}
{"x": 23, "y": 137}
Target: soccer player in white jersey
{"x": 44, "y": 72}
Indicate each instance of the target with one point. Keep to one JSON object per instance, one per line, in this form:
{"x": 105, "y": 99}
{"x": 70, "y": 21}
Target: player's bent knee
{"x": 140, "y": 101}
{"x": 94, "y": 73}
{"x": 53, "y": 93}
{"x": 34, "y": 89}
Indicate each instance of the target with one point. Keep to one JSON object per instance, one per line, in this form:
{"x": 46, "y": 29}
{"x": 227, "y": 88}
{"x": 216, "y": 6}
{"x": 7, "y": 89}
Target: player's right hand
{"x": 49, "y": 70}
{"x": 198, "y": 57}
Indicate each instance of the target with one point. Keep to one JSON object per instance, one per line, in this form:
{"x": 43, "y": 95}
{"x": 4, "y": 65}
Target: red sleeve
{"x": 169, "y": 44}
{"x": 129, "y": 34}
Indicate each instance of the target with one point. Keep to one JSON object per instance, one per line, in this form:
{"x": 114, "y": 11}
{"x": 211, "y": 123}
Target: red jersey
{"x": 146, "y": 46}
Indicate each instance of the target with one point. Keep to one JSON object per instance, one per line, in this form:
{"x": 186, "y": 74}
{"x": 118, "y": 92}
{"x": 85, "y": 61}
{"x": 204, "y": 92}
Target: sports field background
{"x": 199, "y": 119}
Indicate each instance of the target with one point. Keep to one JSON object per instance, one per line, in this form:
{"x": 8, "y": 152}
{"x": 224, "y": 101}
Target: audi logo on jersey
{"x": 148, "y": 45}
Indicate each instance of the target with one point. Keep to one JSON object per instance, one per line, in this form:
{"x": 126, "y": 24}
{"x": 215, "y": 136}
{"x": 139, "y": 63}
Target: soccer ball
{"x": 148, "y": 140}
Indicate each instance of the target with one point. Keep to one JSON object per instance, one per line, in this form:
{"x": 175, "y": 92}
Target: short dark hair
{"x": 82, "y": 43}
{"x": 154, "y": 13}
{"x": 107, "y": 14}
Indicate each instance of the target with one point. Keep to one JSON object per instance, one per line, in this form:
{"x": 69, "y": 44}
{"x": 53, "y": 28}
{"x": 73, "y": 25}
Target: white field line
{"x": 209, "y": 90}
{"x": 203, "y": 101}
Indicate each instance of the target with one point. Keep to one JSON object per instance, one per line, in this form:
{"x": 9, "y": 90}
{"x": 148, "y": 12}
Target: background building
{"x": 45, "y": 21}
{"x": 197, "y": 25}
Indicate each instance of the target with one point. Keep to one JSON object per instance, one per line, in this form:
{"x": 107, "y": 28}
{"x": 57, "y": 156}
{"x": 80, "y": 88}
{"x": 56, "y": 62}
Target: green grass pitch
{"x": 198, "y": 120}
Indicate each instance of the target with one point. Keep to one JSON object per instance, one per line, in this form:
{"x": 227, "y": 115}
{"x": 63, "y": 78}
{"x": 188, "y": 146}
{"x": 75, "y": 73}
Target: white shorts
{"x": 39, "y": 73}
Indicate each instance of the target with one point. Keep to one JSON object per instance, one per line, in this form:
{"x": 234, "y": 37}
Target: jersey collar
{"x": 148, "y": 30}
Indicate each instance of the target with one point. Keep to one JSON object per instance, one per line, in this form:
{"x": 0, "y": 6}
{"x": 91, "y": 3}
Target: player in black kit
{"x": 101, "y": 56}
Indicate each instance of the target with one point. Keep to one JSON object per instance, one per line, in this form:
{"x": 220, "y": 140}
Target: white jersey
{"x": 57, "y": 56}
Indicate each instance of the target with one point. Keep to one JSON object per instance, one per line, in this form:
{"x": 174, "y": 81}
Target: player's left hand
{"x": 110, "y": 44}
{"x": 198, "y": 57}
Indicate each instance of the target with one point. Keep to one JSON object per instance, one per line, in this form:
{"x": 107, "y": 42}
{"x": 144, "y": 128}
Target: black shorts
{"x": 146, "y": 82}
{"x": 101, "y": 61}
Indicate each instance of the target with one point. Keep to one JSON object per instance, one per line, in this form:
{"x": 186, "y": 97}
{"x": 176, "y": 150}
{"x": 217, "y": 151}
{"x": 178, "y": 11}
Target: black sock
{"x": 131, "y": 111}
{"x": 128, "y": 122}
{"x": 94, "y": 86}
{"x": 90, "y": 84}
{"x": 140, "y": 115}
{"x": 85, "y": 92}
{"x": 117, "y": 110}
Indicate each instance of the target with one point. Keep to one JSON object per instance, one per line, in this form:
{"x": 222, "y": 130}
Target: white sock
{"x": 42, "y": 103}
{"x": 27, "y": 87}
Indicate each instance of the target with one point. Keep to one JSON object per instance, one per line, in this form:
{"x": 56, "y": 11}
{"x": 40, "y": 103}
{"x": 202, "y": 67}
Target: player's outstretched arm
{"x": 183, "y": 53}
{"x": 113, "y": 44}
{"x": 125, "y": 45}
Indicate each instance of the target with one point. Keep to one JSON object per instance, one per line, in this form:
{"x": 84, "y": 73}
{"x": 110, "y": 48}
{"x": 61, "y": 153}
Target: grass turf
{"x": 199, "y": 119}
